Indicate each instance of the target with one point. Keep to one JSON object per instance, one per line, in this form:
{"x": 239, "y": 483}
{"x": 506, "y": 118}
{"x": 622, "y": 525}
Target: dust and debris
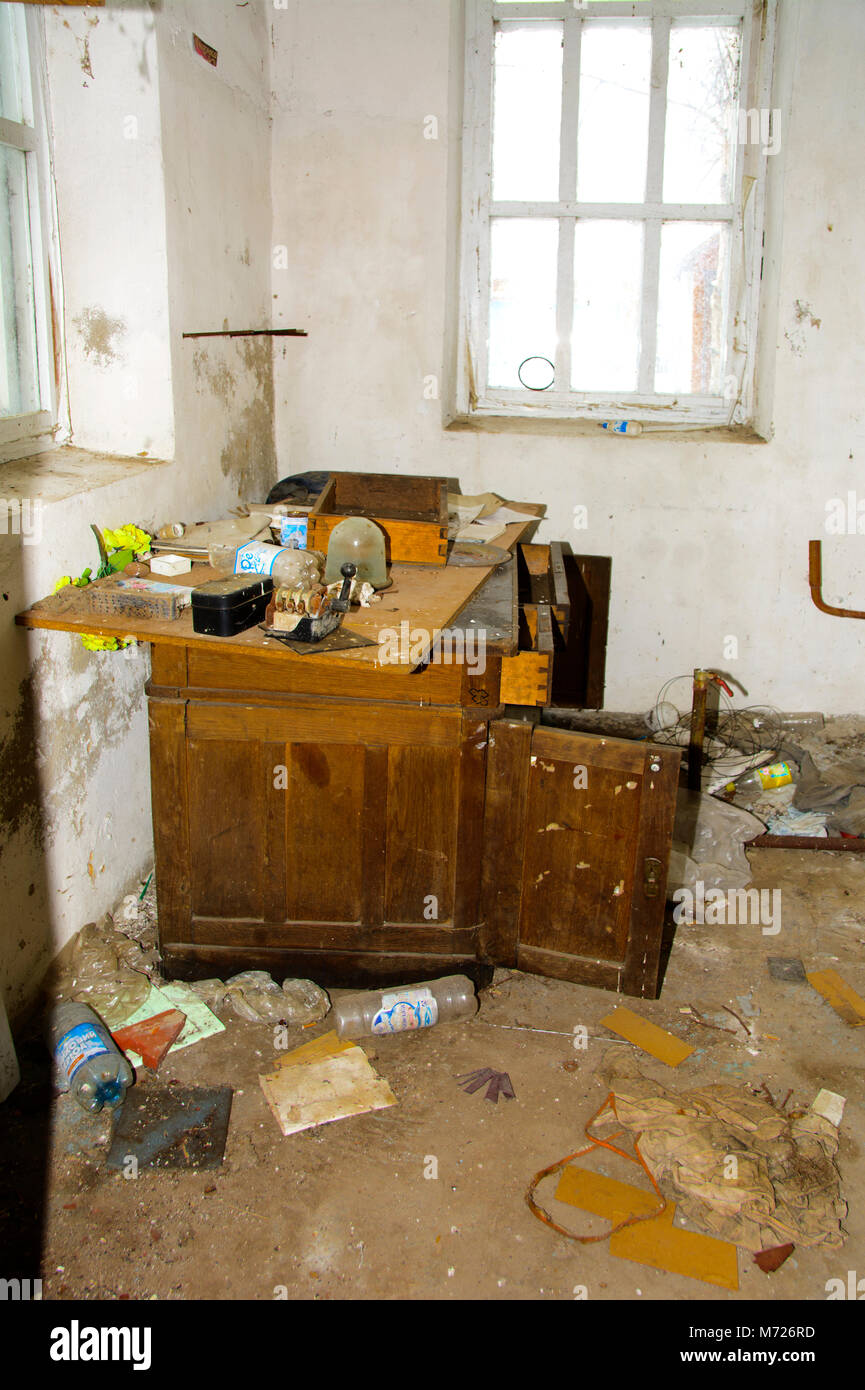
{"x": 803, "y": 318}
{"x": 98, "y": 332}
{"x": 84, "y": 47}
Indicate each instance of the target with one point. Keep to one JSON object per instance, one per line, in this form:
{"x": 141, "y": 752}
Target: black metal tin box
{"x": 224, "y": 607}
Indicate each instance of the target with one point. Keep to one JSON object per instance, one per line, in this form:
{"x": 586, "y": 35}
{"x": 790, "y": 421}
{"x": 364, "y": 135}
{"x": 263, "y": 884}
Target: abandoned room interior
{"x": 432, "y": 743}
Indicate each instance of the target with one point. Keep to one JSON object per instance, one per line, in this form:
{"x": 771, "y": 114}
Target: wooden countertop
{"x": 428, "y": 597}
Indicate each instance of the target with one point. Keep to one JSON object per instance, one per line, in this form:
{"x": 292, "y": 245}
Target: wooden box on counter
{"x": 412, "y": 512}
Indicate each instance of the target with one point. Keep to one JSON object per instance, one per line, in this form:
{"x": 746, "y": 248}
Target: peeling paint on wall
{"x": 98, "y": 332}
{"x": 804, "y": 318}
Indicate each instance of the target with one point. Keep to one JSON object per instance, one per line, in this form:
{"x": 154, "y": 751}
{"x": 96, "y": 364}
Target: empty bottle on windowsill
{"x": 89, "y": 1062}
{"x": 405, "y": 1007}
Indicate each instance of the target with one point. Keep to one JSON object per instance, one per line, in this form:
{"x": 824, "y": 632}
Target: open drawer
{"x": 563, "y": 605}
{"x": 544, "y": 623}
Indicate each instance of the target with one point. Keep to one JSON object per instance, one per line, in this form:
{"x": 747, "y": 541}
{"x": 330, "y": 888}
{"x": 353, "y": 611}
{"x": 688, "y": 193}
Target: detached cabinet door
{"x": 577, "y": 838}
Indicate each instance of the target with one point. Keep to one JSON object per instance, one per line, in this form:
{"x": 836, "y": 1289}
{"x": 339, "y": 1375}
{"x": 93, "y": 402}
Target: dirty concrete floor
{"x": 347, "y": 1211}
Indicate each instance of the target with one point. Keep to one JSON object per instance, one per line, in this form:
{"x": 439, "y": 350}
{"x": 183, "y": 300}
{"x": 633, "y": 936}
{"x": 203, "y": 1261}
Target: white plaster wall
{"x": 104, "y": 86}
{"x": 216, "y": 152}
{"x": 708, "y": 539}
{"x": 166, "y": 233}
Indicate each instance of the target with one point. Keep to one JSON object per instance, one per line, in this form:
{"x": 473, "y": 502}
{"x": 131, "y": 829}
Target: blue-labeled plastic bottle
{"x": 622, "y": 426}
{"x": 405, "y": 1007}
{"x": 88, "y": 1059}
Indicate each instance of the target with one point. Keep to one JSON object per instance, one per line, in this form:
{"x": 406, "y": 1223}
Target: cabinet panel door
{"x": 324, "y": 803}
{"x": 227, "y": 789}
{"x": 422, "y": 817}
{"x": 576, "y": 861}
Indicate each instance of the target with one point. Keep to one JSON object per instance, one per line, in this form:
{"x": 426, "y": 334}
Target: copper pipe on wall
{"x": 815, "y": 581}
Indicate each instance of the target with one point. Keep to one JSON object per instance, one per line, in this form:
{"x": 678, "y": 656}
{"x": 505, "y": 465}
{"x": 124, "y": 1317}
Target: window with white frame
{"x": 27, "y": 371}
{"x": 612, "y": 214}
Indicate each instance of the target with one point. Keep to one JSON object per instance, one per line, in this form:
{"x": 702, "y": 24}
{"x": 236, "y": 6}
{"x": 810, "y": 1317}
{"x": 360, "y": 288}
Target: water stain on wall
{"x": 249, "y": 457}
{"x": 20, "y": 799}
{"x": 99, "y": 332}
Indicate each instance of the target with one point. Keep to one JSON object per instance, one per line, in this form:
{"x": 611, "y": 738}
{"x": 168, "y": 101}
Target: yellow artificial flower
{"x": 128, "y": 537}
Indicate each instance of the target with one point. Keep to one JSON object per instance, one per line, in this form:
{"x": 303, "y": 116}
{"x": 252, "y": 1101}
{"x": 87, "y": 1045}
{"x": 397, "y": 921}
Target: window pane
{"x": 15, "y": 104}
{"x": 523, "y": 256}
{"x": 692, "y": 308}
{"x": 702, "y": 113}
{"x": 608, "y": 277}
{"x": 19, "y": 391}
{"x": 527, "y": 111}
{"x": 615, "y": 72}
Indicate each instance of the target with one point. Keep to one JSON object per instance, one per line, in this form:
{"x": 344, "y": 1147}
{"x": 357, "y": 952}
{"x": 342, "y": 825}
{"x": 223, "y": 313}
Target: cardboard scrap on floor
{"x": 772, "y": 1259}
{"x": 152, "y": 1038}
{"x": 656, "y": 1241}
{"x": 604, "y": 1196}
{"x": 639, "y": 1031}
{"x": 661, "y": 1245}
{"x": 321, "y": 1081}
{"x": 200, "y": 1023}
{"x": 830, "y": 1105}
{"x": 844, "y": 1000}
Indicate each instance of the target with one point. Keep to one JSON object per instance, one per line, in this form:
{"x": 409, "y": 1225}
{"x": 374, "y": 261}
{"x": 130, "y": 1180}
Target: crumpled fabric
{"x": 840, "y": 793}
{"x": 786, "y": 1187}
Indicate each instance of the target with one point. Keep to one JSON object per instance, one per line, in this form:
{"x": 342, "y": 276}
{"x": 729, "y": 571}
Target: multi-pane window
{"x": 26, "y": 352}
{"x": 612, "y": 211}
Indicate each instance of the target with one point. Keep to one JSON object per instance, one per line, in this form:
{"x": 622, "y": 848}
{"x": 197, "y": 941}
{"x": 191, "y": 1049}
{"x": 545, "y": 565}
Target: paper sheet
{"x": 322, "y": 1081}
{"x": 201, "y": 1022}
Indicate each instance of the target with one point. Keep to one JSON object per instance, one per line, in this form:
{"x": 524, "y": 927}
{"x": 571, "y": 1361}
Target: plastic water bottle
{"x": 622, "y": 426}
{"x": 764, "y": 779}
{"x": 87, "y": 1057}
{"x": 406, "y": 1007}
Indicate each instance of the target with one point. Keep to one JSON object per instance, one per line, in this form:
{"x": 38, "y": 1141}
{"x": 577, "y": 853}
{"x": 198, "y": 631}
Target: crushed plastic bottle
{"x": 405, "y": 1008}
{"x": 88, "y": 1059}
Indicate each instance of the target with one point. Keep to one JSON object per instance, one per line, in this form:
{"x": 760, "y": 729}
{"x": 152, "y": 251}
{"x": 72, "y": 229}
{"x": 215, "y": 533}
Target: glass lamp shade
{"x": 362, "y": 542}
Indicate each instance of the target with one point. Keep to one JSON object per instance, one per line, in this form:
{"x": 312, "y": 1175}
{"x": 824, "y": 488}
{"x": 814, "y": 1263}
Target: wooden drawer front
{"x": 527, "y": 678}
{"x": 320, "y": 675}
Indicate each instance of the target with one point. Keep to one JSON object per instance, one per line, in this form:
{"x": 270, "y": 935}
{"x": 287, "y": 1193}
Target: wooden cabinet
{"x": 354, "y": 838}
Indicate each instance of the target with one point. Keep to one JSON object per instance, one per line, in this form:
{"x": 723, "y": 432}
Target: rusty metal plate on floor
{"x": 789, "y": 968}
{"x": 176, "y": 1127}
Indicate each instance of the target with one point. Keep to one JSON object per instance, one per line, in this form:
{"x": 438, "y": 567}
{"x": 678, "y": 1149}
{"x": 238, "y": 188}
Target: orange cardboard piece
{"x": 661, "y": 1245}
{"x": 844, "y": 1000}
{"x": 152, "y": 1037}
{"x": 639, "y": 1031}
{"x": 607, "y": 1197}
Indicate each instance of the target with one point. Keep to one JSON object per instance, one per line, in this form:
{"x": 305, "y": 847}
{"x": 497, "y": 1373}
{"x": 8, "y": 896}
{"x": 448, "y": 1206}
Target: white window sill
{"x": 67, "y": 471}
{"x": 683, "y": 433}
